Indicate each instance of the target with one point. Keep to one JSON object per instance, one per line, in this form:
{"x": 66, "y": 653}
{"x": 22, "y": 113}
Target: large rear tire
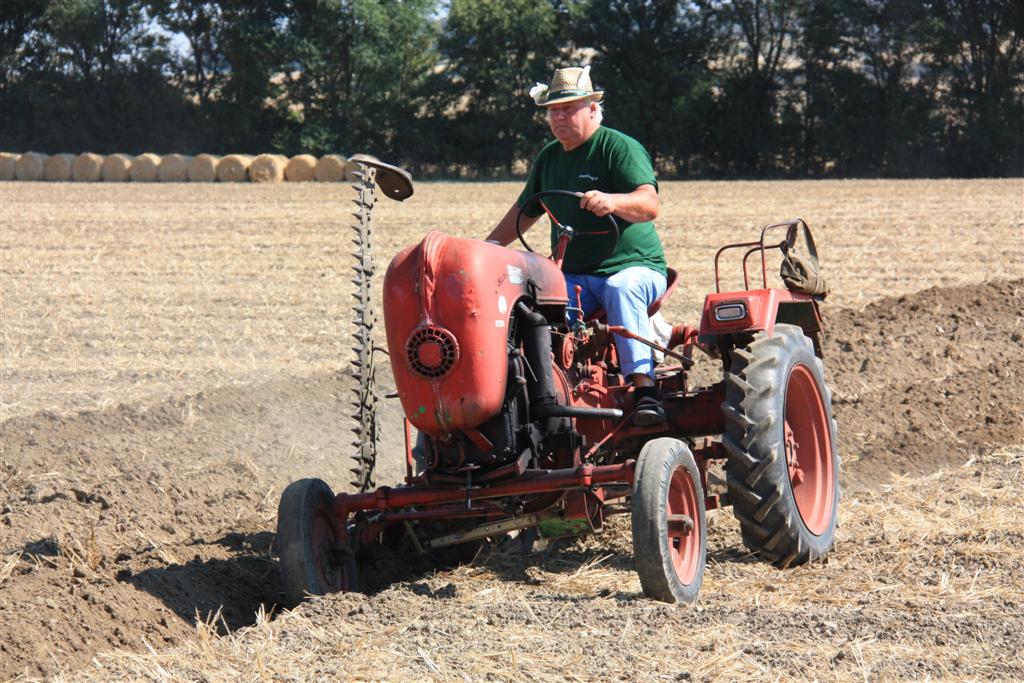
{"x": 669, "y": 529}
{"x": 310, "y": 560}
{"x": 783, "y": 469}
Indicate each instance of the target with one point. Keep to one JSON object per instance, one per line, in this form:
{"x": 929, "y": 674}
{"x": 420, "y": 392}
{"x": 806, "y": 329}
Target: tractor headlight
{"x": 734, "y": 310}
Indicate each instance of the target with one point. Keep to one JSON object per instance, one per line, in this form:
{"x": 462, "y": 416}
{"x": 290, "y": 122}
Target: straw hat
{"x": 567, "y": 85}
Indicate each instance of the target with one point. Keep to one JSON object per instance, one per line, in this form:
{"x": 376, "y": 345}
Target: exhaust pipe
{"x": 537, "y": 350}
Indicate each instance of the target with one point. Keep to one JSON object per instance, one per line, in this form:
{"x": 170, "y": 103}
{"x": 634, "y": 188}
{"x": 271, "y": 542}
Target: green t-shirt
{"x": 611, "y": 162}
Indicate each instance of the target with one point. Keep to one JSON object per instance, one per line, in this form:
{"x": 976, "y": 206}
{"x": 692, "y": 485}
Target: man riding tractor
{"x": 613, "y": 175}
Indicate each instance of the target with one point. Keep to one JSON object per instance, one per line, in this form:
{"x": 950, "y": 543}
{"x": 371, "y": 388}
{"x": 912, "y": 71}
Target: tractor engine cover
{"x": 448, "y": 304}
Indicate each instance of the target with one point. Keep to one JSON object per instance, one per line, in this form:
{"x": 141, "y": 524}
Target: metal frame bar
{"x": 530, "y": 482}
{"x": 758, "y": 246}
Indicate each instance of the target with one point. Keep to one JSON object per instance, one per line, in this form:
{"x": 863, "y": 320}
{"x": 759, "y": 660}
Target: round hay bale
{"x": 331, "y": 168}
{"x": 57, "y": 168}
{"x": 353, "y": 167}
{"x": 300, "y": 169}
{"x": 29, "y": 166}
{"x": 174, "y": 168}
{"x": 87, "y": 168}
{"x": 144, "y": 168}
{"x": 234, "y": 168}
{"x": 8, "y": 165}
{"x": 116, "y": 168}
{"x": 203, "y": 169}
{"x": 267, "y": 168}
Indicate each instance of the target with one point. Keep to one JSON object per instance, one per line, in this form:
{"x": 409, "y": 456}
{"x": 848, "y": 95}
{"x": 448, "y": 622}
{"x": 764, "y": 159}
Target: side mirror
{"x": 394, "y": 182}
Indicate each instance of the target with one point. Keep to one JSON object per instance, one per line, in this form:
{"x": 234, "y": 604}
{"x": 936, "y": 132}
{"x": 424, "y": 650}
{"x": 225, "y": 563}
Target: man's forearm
{"x": 637, "y": 206}
{"x": 505, "y": 232}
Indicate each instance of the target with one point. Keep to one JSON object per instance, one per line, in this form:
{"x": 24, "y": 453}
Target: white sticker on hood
{"x": 502, "y": 304}
{"x": 515, "y": 275}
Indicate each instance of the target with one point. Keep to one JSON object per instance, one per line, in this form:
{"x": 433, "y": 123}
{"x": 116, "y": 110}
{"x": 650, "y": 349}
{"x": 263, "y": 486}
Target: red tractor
{"x": 517, "y": 418}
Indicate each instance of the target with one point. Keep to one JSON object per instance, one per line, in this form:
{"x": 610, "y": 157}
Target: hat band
{"x": 568, "y": 93}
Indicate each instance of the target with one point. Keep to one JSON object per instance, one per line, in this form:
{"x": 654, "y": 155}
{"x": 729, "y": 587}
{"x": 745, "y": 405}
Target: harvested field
{"x": 173, "y": 356}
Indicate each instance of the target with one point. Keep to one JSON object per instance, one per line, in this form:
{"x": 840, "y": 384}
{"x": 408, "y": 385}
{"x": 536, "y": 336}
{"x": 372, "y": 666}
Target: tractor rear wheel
{"x": 310, "y": 561}
{"x": 783, "y": 469}
{"x": 669, "y": 529}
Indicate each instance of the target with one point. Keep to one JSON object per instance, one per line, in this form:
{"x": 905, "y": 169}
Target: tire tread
{"x": 769, "y": 522}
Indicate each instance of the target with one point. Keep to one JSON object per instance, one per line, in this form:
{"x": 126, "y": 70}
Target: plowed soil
{"x": 167, "y": 372}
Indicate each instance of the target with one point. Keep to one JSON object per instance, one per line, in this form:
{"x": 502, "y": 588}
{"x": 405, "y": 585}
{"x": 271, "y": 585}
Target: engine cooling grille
{"x": 431, "y": 351}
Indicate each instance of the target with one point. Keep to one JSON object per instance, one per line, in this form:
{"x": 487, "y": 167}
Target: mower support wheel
{"x": 310, "y": 561}
{"x": 783, "y": 469}
{"x": 669, "y": 527}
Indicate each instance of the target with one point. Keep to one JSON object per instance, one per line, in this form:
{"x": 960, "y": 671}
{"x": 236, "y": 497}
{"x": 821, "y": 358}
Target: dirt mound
{"x": 126, "y": 527}
{"x": 929, "y": 379}
{"x": 123, "y": 527}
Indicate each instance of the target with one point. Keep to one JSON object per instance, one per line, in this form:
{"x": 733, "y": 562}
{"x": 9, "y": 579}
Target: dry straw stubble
{"x": 947, "y": 603}
{"x": 331, "y": 168}
{"x": 157, "y": 254}
{"x": 116, "y": 168}
{"x": 174, "y": 168}
{"x": 144, "y": 168}
{"x": 234, "y": 168}
{"x": 203, "y": 169}
{"x": 87, "y": 168}
{"x": 267, "y": 168}
{"x": 301, "y": 168}
{"x": 58, "y": 168}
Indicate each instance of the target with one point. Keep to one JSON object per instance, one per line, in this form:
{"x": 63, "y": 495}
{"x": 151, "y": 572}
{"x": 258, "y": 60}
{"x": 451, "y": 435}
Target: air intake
{"x": 431, "y": 351}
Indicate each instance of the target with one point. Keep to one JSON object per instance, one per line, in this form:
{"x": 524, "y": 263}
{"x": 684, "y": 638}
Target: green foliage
{"x": 17, "y": 22}
{"x": 978, "y": 45}
{"x": 652, "y": 59}
{"x": 493, "y": 51}
{"x": 356, "y": 75}
{"x": 713, "y": 88}
{"x": 85, "y": 68}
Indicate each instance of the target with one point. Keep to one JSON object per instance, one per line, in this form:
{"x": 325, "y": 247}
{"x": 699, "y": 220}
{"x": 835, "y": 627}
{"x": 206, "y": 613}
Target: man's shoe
{"x": 647, "y": 411}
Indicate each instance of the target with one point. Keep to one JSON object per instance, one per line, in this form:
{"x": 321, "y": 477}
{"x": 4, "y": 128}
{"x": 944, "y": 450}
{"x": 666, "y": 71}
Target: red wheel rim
{"x": 322, "y": 540}
{"x": 808, "y": 447}
{"x": 683, "y": 517}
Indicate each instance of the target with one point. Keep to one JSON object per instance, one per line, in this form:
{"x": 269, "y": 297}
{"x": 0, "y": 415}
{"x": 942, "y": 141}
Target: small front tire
{"x": 311, "y": 562}
{"x": 669, "y": 527}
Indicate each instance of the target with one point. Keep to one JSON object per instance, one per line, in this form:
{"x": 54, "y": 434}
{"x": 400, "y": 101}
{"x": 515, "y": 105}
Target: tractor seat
{"x": 672, "y": 279}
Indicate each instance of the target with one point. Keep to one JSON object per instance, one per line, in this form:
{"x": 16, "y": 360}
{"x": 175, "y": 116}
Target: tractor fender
{"x": 749, "y": 311}
{"x": 448, "y": 303}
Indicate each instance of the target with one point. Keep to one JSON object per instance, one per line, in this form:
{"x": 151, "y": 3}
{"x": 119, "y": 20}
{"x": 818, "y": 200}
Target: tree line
{"x": 712, "y": 88}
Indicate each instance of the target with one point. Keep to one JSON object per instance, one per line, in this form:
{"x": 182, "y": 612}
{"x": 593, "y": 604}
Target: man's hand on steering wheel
{"x": 598, "y": 203}
{"x": 535, "y": 199}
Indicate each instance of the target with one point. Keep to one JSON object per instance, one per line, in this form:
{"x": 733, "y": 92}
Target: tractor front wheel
{"x": 669, "y": 529}
{"x": 782, "y": 470}
{"x": 310, "y": 560}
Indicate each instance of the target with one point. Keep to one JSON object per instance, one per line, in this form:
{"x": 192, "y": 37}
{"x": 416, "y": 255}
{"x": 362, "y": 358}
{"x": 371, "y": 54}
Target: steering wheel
{"x": 535, "y": 198}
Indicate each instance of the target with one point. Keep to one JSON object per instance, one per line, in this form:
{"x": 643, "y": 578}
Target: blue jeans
{"x": 625, "y": 297}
